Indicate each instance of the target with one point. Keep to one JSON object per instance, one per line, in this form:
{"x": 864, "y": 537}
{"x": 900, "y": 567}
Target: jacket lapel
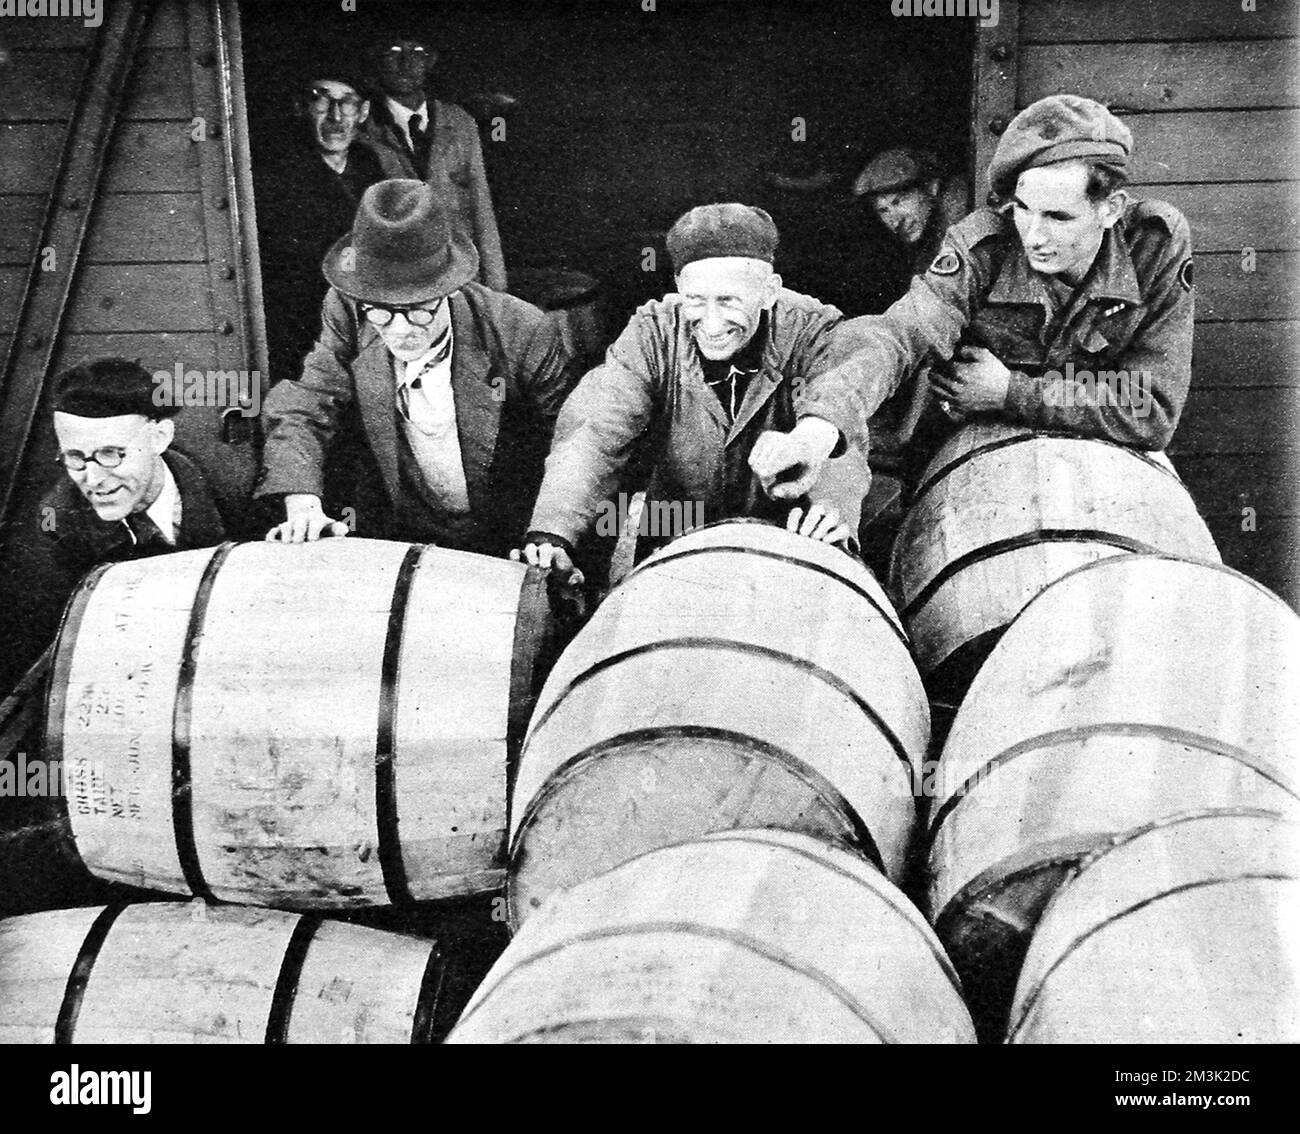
{"x": 201, "y": 524}
{"x": 478, "y": 385}
{"x": 375, "y": 382}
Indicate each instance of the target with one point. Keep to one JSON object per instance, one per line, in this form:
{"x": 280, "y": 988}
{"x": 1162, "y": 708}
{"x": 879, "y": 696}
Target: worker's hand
{"x": 788, "y": 464}
{"x": 541, "y": 552}
{"x": 978, "y": 385}
{"x": 820, "y": 523}
{"x": 305, "y": 521}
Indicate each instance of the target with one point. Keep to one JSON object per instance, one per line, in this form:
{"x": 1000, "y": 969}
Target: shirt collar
{"x": 440, "y": 351}
{"x": 1110, "y": 277}
{"x": 163, "y": 510}
{"x": 402, "y": 115}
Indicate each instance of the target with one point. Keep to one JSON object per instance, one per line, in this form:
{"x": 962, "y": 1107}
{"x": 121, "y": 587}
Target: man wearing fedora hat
{"x": 722, "y": 390}
{"x": 1067, "y": 307}
{"x": 457, "y": 386}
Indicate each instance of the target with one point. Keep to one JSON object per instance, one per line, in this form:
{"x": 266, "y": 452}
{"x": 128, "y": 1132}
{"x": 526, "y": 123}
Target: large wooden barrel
{"x": 740, "y": 937}
{"x": 315, "y": 726}
{"x": 1133, "y": 689}
{"x": 1001, "y": 511}
{"x": 1188, "y": 932}
{"x": 741, "y": 677}
{"x": 176, "y": 972}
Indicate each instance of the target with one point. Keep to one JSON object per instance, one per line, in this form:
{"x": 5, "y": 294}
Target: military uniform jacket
{"x": 649, "y": 400}
{"x": 455, "y": 163}
{"x": 1133, "y": 313}
{"x": 510, "y": 372}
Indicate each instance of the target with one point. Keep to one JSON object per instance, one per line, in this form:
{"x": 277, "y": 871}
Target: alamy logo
{"x": 90, "y": 12}
{"x": 102, "y": 1088}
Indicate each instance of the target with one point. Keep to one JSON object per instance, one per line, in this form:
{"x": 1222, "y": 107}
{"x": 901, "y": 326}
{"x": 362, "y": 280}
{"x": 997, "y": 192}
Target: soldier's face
{"x": 1060, "y": 228}
{"x": 723, "y": 299}
{"x": 334, "y": 113}
{"x": 117, "y": 492}
{"x": 904, "y": 212}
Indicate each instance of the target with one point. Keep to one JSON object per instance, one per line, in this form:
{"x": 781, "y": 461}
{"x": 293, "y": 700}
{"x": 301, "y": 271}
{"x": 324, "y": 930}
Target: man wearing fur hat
{"x": 721, "y": 390}
{"x": 457, "y": 386}
{"x": 1068, "y": 307}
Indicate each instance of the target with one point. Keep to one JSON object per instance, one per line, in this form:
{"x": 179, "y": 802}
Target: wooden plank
{"x": 1238, "y": 421}
{"x": 154, "y": 350}
{"x": 160, "y": 88}
{"x": 1070, "y": 21}
{"x": 1246, "y": 354}
{"x": 20, "y": 221}
{"x": 133, "y": 228}
{"x": 1166, "y": 76}
{"x": 11, "y": 290}
{"x": 141, "y": 297}
{"x": 29, "y": 154}
{"x": 993, "y": 90}
{"x": 152, "y": 157}
{"x": 1225, "y": 292}
{"x": 1215, "y": 145}
{"x": 43, "y": 34}
{"x": 40, "y": 85}
{"x": 1269, "y": 554}
{"x": 167, "y": 25}
{"x": 1264, "y": 215}
{"x": 1223, "y": 484}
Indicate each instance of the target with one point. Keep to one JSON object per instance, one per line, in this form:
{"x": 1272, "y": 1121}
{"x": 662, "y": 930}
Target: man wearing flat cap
{"x": 126, "y": 493}
{"x": 457, "y": 386}
{"x": 1068, "y": 307}
{"x": 721, "y": 389}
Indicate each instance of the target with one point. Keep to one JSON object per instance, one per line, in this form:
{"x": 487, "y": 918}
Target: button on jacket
{"x": 1132, "y": 313}
{"x": 648, "y": 403}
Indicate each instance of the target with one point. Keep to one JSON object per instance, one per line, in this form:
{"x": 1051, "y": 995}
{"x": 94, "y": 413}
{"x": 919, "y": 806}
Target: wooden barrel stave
{"x": 742, "y": 936}
{"x": 1002, "y": 511}
{"x": 170, "y": 972}
{"x": 351, "y": 750}
{"x": 1164, "y": 678}
{"x": 783, "y": 677}
{"x": 1183, "y": 933}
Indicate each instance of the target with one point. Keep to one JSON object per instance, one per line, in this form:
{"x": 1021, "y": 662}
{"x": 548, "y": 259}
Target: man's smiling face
{"x": 334, "y": 113}
{"x": 131, "y": 485}
{"x": 723, "y": 300}
{"x": 1060, "y": 227}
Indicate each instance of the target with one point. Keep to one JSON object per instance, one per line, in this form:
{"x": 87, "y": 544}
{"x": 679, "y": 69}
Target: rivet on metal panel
{"x": 1001, "y": 53}
{"x": 222, "y": 202}
{"x": 226, "y": 272}
{"x": 206, "y": 57}
{"x": 35, "y": 341}
{"x": 225, "y": 327}
{"x": 997, "y": 125}
{"x": 72, "y": 204}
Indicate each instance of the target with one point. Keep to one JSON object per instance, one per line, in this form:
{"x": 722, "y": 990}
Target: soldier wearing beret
{"x": 723, "y": 389}
{"x": 1067, "y": 307}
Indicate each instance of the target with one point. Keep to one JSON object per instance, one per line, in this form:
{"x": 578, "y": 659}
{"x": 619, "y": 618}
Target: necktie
{"x": 419, "y": 142}
{"x": 148, "y": 535}
{"x": 441, "y": 349}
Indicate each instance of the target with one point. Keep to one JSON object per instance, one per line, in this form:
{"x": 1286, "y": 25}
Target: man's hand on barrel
{"x": 305, "y": 521}
{"x": 551, "y": 553}
{"x": 820, "y": 523}
{"x": 787, "y": 464}
{"x": 977, "y": 385}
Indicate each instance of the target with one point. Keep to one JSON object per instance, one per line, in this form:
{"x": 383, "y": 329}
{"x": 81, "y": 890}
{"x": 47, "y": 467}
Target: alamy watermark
{"x": 1129, "y": 389}
{"x": 651, "y": 518}
{"x": 986, "y": 11}
{"x": 224, "y": 389}
{"x": 89, "y": 12}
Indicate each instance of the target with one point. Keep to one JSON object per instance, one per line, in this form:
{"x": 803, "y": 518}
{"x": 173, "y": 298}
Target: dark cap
{"x": 722, "y": 230}
{"x": 896, "y": 169}
{"x": 110, "y": 387}
{"x": 1058, "y": 128}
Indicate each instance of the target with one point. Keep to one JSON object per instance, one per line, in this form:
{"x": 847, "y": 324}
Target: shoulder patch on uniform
{"x": 947, "y": 263}
{"x": 1185, "y": 275}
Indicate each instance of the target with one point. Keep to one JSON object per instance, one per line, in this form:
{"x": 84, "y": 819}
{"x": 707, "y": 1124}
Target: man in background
{"x": 421, "y": 137}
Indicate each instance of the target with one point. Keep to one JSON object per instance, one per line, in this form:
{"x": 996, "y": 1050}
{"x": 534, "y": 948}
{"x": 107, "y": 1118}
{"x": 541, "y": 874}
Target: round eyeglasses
{"x": 320, "y": 100}
{"x": 416, "y": 316}
{"x": 109, "y": 457}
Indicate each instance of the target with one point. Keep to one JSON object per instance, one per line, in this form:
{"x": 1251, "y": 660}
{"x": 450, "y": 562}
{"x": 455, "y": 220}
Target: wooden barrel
{"x": 1133, "y": 689}
{"x": 176, "y": 972}
{"x": 315, "y": 726}
{"x": 1001, "y": 511}
{"x": 1188, "y": 932}
{"x": 741, "y": 677}
{"x": 740, "y": 937}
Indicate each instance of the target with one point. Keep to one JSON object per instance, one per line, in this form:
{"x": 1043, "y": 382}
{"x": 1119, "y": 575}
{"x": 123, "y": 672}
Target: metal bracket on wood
{"x": 44, "y": 304}
{"x": 993, "y": 90}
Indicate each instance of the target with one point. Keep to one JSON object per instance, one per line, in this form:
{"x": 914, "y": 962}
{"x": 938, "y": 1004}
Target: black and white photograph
{"x": 650, "y": 522}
